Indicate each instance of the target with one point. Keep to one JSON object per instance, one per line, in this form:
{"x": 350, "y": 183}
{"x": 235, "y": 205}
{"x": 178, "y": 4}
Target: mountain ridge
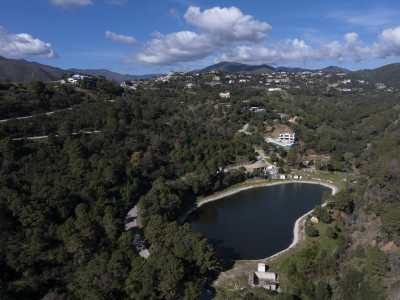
{"x": 264, "y": 68}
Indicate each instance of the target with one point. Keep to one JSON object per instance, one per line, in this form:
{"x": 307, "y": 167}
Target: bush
{"x": 311, "y": 231}
{"x": 322, "y": 214}
{"x": 343, "y": 202}
{"x": 331, "y": 233}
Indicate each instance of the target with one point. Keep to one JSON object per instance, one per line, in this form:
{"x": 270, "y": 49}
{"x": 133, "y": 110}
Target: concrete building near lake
{"x": 261, "y": 277}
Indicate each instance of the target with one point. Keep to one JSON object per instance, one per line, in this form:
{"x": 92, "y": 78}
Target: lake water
{"x": 255, "y": 223}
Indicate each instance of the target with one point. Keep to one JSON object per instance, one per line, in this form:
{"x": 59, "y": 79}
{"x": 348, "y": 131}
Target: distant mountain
{"x": 292, "y": 70}
{"x": 237, "y": 67}
{"x": 389, "y": 75}
{"x": 110, "y": 75}
{"x": 259, "y": 69}
{"x": 21, "y": 71}
{"x": 335, "y": 69}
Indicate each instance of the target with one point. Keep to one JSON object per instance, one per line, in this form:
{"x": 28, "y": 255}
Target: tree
{"x": 349, "y": 284}
{"x": 343, "y": 201}
{"x": 274, "y": 157}
{"x": 322, "y": 290}
{"x": 391, "y": 220}
{"x": 311, "y": 231}
{"x": 322, "y": 214}
{"x": 377, "y": 262}
{"x": 330, "y": 233}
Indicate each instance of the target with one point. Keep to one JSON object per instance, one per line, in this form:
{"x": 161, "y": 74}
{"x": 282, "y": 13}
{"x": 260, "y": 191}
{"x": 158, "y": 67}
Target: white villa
{"x": 286, "y": 140}
{"x": 225, "y": 95}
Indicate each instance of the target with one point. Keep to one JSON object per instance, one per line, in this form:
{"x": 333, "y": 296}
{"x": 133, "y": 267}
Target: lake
{"x": 255, "y": 223}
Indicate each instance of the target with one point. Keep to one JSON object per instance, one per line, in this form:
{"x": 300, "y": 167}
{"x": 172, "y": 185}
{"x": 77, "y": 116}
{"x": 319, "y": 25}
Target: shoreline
{"x": 297, "y": 232}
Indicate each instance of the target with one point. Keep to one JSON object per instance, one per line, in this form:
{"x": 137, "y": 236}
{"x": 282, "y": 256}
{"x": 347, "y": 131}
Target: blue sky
{"x": 141, "y": 37}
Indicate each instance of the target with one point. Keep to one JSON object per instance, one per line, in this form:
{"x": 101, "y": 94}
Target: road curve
{"x": 131, "y": 224}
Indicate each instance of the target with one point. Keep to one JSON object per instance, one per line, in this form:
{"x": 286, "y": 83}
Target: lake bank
{"x": 238, "y": 253}
{"x": 234, "y": 190}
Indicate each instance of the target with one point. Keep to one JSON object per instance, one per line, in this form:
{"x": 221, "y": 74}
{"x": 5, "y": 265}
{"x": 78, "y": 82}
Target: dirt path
{"x": 131, "y": 224}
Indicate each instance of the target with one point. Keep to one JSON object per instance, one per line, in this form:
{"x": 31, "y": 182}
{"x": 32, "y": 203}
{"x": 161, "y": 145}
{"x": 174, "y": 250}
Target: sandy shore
{"x": 297, "y": 228}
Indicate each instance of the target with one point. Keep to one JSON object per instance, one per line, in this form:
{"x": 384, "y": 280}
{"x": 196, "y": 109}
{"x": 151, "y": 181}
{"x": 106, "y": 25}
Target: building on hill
{"x": 285, "y": 140}
{"x": 225, "y": 95}
{"x": 78, "y": 77}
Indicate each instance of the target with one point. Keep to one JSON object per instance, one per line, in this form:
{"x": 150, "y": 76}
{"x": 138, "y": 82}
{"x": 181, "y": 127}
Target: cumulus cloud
{"x": 120, "y": 38}
{"x": 23, "y": 45}
{"x": 217, "y": 28}
{"x": 350, "y": 49}
{"x": 69, "y": 3}
{"x": 389, "y": 43}
{"x": 237, "y": 37}
{"x": 227, "y": 24}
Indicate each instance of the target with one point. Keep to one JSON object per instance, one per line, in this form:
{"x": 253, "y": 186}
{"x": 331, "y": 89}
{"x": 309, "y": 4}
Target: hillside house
{"x": 274, "y": 89}
{"x": 225, "y": 95}
{"x": 78, "y": 77}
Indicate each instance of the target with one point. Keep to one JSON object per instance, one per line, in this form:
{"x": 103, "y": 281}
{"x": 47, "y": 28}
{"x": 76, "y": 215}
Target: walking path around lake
{"x": 131, "y": 224}
{"x": 235, "y": 191}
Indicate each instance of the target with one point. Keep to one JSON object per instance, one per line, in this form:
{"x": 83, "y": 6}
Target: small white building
{"x": 225, "y": 95}
{"x": 261, "y": 277}
{"x": 314, "y": 220}
{"x": 274, "y": 89}
{"x": 282, "y": 176}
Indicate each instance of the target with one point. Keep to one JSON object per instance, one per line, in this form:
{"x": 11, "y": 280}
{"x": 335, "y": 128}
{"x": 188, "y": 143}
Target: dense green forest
{"x": 64, "y": 197}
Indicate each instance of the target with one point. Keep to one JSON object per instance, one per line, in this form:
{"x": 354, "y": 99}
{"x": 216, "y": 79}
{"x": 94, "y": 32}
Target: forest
{"x": 64, "y": 198}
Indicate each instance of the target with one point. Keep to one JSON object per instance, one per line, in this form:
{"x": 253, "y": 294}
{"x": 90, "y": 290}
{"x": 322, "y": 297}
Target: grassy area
{"x": 313, "y": 258}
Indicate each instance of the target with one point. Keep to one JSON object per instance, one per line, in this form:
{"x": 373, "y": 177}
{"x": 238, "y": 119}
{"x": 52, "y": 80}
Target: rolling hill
{"x": 389, "y": 75}
{"x": 110, "y": 75}
{"x": 23, "y": 71}
{"x": 258, "y": 69}
{"x": 20, "y": 70}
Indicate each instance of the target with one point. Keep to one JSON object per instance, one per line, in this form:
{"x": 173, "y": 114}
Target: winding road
{"x": 131, "y": 224}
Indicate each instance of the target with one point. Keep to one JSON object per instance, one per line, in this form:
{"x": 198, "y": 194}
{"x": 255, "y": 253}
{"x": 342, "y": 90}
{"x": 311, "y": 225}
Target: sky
{"x": 156, "y": 36}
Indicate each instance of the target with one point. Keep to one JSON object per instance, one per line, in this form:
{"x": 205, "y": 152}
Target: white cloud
{"x": 117, "y": 2}
{"x": 236, "y": 37}
{"x": 173, "y": 48}
{"x": 23, "y": 45}
{"x": 389, "y": 43}
{"x": 217, "y": 28}
{"x": 371, "y": 19}
{"x": 69, "y": 3}
{"x": 352, "y": 49}
{"x": 227, "y": 24}
{"x": 121, "y": 38}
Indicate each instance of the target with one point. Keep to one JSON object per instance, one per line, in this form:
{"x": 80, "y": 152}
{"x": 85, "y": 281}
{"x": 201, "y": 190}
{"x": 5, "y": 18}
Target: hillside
{"x": 110, "y": 75}
{"x": 24, "y": 71}
{"x": 259, "y": 69}
{"x": 389, "y": 75}
{"x": 237, "y": 67}
{"x": 19, "y": 70}
{"x": 70, "y": 177}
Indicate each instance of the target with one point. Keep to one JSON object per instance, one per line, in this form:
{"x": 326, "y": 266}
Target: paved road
{"x": 28, "y": 117}
{"x": 244, "y": 129}
{"x": 46, "y": 136}
{"x": 131, "y": 224}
